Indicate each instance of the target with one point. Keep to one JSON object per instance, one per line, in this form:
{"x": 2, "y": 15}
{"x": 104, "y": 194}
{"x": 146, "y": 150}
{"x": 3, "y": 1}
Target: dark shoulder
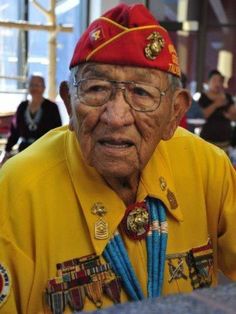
{"x": 49, "y": 105}
{"x": 204, "y": 100}
{"x": 229, "y": 98}
{"x": 23, "y": 105}
{"x": 204, "y": 96}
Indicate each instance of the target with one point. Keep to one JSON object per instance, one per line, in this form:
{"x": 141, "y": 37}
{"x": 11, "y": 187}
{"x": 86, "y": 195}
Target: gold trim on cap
{"x": 127, "y": 30}
{"x": 113, "y": 22}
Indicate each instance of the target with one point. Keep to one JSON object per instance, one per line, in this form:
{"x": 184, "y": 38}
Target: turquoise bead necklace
{"x": 116, "y": 254}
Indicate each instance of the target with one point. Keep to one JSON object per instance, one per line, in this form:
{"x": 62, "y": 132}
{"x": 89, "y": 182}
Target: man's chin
{"x": 116, "y": 171}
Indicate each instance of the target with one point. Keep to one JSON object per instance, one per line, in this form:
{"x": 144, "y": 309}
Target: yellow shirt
{"x": 46, "y": 196}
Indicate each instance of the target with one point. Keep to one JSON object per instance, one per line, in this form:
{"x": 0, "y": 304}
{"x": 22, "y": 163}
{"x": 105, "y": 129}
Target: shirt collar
{"x": 90, "y": 188}
{"x": 158, "y": 180}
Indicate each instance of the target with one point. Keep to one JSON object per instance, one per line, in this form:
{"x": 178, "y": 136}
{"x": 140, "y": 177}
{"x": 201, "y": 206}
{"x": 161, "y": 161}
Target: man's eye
{"x": 96, "y": 88}
{"x": 139, "y": 91}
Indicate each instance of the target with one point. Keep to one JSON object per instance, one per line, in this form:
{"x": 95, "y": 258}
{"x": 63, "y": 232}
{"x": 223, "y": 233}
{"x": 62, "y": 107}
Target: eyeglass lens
{"x": 141, "y": 97}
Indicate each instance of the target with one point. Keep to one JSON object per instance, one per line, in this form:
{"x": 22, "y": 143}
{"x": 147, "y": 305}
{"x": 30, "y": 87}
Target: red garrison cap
{"x": 127, "y": 35}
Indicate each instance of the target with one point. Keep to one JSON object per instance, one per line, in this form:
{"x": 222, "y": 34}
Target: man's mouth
{"x": 111, "y": 143}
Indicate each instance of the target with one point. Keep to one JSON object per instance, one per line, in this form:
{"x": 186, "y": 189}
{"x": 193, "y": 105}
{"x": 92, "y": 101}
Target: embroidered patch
{"x": 96, "y": 35}
{"x": 200, "y": 263}
{"x": 5, "y": 284}
{"x": 174, "y": 66}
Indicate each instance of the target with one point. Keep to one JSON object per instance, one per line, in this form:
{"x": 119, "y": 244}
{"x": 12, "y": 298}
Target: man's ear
{"x": 65, "y": 96}
{"x": 180, "y": 105}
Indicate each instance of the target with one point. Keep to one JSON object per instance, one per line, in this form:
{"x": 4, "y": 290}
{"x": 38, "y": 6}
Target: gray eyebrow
{"x": 93, "y": 70}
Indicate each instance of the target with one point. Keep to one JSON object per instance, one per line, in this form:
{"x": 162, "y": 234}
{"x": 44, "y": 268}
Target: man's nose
{"x": 117, "y": 112}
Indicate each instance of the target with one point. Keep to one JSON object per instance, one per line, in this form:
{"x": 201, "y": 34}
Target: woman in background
{"x": 33, "y": 117}
{"x": 218, "y": 110}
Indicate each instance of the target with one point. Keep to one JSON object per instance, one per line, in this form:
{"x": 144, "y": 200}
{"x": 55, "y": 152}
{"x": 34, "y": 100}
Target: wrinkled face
{"x": 36, "y": 86}
{"x": 114, "y": 138}
{"x": 216, "y": 83}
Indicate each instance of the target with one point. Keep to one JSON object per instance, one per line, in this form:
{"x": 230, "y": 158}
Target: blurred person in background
{"x": 183, "y": 121}
{"x": 194, "y": 112}
{"x": 33, "y": 117}
{"x": 219, "y": 110}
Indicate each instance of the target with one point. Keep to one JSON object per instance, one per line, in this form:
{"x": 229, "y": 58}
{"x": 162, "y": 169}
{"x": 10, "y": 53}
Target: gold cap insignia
{"x": 155, "y": 46}
{"x": 96, "y": 35}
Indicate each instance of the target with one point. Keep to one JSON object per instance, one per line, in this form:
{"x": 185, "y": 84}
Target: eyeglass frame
{"x": 114, "y": 84}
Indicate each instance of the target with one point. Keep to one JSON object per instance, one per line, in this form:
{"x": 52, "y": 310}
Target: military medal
{"x": 81, "y": 278}
{"x": 101, "y": 226}
{"x": 136, "y": 222}
{"x": 176, "y": 271}
{"x": 200, "y": 263}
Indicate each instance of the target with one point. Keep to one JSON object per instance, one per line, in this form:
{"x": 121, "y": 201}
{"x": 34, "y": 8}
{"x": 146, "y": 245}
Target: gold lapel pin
{"x": 163, "y": 183}
{"x": 101, "y": 226}
{"x": 172, "y": 199}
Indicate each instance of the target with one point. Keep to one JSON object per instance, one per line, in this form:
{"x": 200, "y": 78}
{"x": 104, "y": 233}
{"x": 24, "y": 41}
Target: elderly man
{"x": 123, "y": 205}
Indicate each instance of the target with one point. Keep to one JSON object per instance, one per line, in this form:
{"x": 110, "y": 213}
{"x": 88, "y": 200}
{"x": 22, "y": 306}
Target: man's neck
{"x": 126, "y": 188}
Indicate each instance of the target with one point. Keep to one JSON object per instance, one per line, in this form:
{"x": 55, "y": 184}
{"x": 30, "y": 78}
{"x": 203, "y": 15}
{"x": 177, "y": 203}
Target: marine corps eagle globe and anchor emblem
{"x": 155, "y": 45}
{"x": 136, "y": 222}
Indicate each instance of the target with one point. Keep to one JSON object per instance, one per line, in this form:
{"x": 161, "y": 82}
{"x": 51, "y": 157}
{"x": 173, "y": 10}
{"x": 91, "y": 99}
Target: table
{"x": 219, "y": 300}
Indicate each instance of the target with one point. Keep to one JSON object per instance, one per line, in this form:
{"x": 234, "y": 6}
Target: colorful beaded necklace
{"x": 115, "y": 253}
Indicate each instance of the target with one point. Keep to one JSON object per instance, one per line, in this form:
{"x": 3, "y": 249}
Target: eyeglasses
{"x": 141, "y": 97}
